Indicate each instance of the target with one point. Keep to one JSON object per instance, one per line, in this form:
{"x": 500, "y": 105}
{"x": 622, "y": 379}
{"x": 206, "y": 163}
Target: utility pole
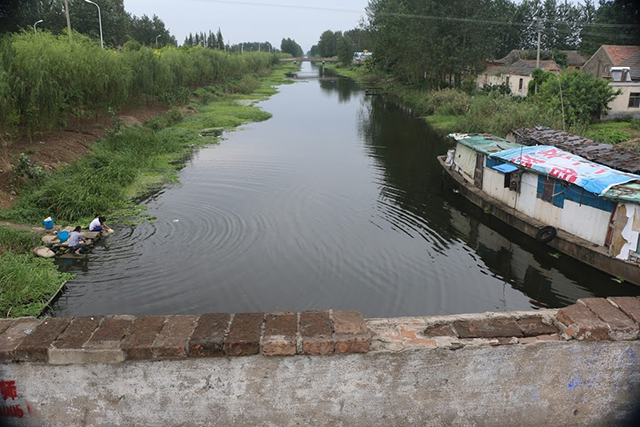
{"x": 66, "y": 11}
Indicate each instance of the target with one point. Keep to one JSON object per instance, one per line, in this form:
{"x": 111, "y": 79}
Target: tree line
{"x": 118, "y": 26}
{"x": 211, "y": 40}
{"x": 427, "y": 41}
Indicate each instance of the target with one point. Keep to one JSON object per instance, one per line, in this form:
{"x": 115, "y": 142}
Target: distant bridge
{"x": 334, "y": 59}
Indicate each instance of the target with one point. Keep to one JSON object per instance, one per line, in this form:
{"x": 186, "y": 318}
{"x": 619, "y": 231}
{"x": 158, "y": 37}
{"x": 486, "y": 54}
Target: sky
{"x": 254, "y": 20}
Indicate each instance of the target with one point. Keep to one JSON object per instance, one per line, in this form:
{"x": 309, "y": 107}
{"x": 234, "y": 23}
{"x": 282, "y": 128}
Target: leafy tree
{"x": 313, "y": 52}
{"x": 345, "y": 50}
{"x": 219, "y": 40}
{"x": 328, "y": 43}
{"x": 145, "y": 30}
{"x": 623, "y": 13}
{"x": 290, "y": 46}
{"x": 585, "y": 96}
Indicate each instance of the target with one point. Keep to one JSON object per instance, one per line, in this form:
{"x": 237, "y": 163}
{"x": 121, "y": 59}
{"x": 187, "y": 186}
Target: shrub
{"x": 447, "y": 102}
{"x": 608, "y": 136}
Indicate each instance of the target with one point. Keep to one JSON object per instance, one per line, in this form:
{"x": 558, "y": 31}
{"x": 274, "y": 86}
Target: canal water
{"x": 336, "y": 202}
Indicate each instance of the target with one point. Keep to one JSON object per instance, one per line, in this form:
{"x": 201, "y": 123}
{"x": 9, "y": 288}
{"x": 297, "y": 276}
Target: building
{"x": 584, "y": 209}
{"x": 621, "y": 65}
{"x": 516, "y": 75}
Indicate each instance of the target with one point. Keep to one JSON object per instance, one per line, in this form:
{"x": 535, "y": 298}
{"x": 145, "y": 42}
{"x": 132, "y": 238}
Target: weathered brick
{"x": 487, "y": 328}
{"x": 137, "y": 343}
{"x": 279, "y": 338}
{"x": 532, "y": 326}
{"x": 109, "y": 333}
{"x": 552, "y": 337}
{"x": 621, "y": 327}
{"x": 444, "y": 330}
{"x": 171, "y": 342}
{"x": 13, "y": 336}
{"x": 244, "y": 335}
{"x": 35, "y": 347}
{"x": 316, "y": 331}
{"x": 419, "y": 342}
{"x": 351, "y": 334}
{"x": 502, "y": 341}
{"x": 582, "y": 323}
{"x": 207, "y": 339}
{"x": 629, "y": 305}
{"x": 77, "y": 333}
{"x": 527, "y": 340}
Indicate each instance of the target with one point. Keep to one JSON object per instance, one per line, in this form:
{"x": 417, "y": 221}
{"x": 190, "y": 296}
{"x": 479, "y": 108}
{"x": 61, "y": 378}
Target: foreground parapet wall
{"x": 575, "y": 366}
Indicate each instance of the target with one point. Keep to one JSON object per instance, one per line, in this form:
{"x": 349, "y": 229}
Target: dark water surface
{"x": 336, "y": 202}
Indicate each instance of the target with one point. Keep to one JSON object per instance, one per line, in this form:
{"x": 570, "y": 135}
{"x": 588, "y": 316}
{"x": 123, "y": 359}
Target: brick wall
{"x": 325, "y": 367}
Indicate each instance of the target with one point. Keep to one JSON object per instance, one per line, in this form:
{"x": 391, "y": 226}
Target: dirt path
{"x": 56, "y": 148}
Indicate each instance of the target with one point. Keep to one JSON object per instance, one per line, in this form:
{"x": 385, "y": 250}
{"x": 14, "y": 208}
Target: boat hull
{"x": 569, "y": 244}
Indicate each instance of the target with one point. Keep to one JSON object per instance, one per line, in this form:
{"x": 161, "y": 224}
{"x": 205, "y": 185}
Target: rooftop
{"x": 619, "y": 53}
{"x": 524, "y": 67}
{"x": 609, "y": 155}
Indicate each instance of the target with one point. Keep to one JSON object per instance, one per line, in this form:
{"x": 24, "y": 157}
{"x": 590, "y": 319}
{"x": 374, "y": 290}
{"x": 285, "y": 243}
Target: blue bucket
{"x": 63, "y": 236}
{"x": 48, "y": 223}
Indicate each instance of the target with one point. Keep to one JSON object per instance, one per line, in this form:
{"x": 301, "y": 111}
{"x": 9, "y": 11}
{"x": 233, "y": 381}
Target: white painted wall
{"x": 493, "y": 185}
{"x": 620, "y": 104}
{"x": 466, "y": 160}
{"x": 630, "y": 232}
{"x": 585, "y": 221}
{"x": 528, "y": 194}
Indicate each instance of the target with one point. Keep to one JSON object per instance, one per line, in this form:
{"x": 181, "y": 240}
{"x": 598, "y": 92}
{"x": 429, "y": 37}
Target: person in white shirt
{"x": 76, "y": 241}
{"x": 99, "y": 225}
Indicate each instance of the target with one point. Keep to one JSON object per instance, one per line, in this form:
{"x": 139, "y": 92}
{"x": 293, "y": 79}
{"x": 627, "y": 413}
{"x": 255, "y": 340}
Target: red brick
{"x": 621, "y": 327}
{"x": 77, "y": 333}
{"x": 35, "y": 347}
{"x": 502, "y": 341}
{"x": 137, "y": 343}
{"x": 527, "y": 340}
{"x": 13, "y": 336}
{"x": 171, "y": 342}
{"x": 553, "y": 337}
{"x": 110, "y": 331}
{"x": 445, "y": 330}
{"x": 533, "y": 326}
{"x": 487, "y": 328}
{"x": 316, "y": 331}
{"x": 351, "y": 334}
{"x": 279, "y": 337}
{"x": 244, "y": 334}
{"x": 207, "y": 339}
{"x": 629, "y": 305}
{"x": 582, "y": 323}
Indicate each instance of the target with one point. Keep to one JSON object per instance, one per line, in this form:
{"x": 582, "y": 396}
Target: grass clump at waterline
{"x": 128, "y": 162}
{"x": 26, "y": 281}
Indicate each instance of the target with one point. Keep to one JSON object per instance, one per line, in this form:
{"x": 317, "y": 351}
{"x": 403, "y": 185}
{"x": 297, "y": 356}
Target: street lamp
{"x": 99, "y": 20}
{"x": 157, "y": 39}
{"x": 34, "y": 25}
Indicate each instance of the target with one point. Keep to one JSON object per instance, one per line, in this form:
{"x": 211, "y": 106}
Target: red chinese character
{"x": 565, "y": 174}
{"x": 8, "y": 390}
{"x": 527, "y": 161}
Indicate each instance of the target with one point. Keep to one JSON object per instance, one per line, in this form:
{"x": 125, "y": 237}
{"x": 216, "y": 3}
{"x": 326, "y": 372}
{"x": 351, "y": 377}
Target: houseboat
{"x": 583, "y": 209}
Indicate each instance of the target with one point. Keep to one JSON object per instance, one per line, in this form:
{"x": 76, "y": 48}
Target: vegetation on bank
{"x": 124, "y": 164}
{"x": 46, "y": 79}
{"x": 26, "y": 282}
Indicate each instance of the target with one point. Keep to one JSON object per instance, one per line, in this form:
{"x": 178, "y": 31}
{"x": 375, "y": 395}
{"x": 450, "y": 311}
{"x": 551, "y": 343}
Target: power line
{"x": 414, "y": 16}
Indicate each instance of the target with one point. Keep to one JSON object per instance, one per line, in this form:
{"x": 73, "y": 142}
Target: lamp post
{"x": 157, "y": 40}
{"x": 34, "y": 25}
{"x": 99, "y": 20}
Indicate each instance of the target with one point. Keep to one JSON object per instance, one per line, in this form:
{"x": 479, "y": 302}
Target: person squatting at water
{"x": 76, "y": 241}
{"x": 99, "y": 225}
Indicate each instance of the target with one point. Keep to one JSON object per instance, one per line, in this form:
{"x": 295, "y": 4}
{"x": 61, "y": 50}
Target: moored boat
{"x": 583, "y": 209}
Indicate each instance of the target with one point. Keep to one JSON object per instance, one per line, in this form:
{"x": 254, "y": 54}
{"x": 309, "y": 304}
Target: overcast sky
{"x": 253, "y": 20}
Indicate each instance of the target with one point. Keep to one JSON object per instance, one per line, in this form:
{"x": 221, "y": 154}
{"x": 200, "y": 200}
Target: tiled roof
{"x": 573, "y": 57}
{"x": 524, "y": 67}
{"x": 620, "y": 53}
{"x": 633, "y": 62}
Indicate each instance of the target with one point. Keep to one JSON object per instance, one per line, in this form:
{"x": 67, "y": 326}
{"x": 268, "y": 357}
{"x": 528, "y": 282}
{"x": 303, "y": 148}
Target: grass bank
{"x": 126, "y": 163}
{"x": 452, "y": 110}
{"x": 26, "y": 282}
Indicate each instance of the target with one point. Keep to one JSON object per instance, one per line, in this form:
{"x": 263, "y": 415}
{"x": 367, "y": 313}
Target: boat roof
{"x": 552, "y": 161}
{"x": 484, "y": 142}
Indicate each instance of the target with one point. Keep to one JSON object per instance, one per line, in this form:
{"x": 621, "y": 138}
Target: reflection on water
{"x": 336, "y": 202}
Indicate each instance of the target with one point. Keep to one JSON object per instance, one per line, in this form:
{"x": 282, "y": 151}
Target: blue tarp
{"x": 565, "y": 166}
{"x": 505, "y": 168}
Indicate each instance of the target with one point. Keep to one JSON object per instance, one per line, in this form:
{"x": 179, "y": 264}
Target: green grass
{"x": 444, "y": 123}
{"x": 17, "y": 240}
{"x": 27, "y": 283}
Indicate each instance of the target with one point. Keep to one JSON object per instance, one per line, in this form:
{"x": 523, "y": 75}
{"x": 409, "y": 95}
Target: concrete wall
{"x": 620, "y": 105}
{"x": 599, "y": 64}
{"x": 560, "y": 384}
